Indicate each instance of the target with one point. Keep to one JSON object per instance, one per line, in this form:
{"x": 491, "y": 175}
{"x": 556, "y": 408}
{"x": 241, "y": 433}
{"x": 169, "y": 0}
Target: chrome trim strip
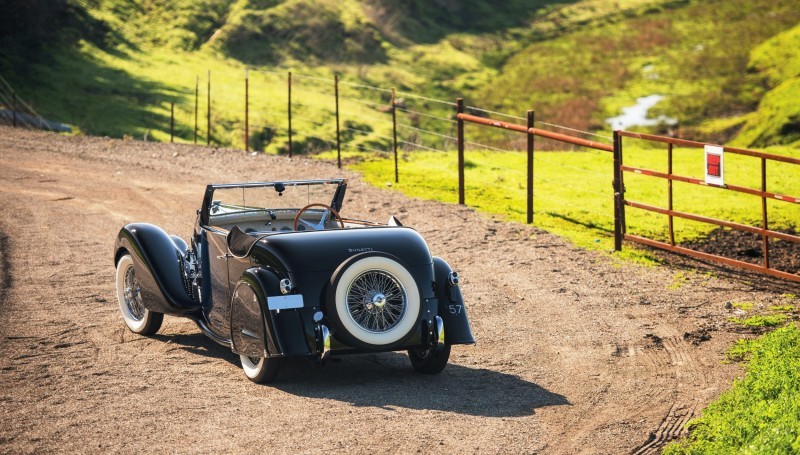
{"x": 250, "y": 334}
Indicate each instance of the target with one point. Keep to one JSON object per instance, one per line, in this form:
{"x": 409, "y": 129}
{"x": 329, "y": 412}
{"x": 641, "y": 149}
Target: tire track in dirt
{"x": 685, "y": 401}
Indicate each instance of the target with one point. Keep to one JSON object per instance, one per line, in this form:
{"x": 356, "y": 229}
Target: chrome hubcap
{"x": 133, "y": 295}
{"x": 379, "y": 300}
{"x": 376, "y": 301}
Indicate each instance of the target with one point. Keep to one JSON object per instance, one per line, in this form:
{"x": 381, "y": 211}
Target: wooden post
{"x": 289, "y": 83}
{"x": 394, "y": 136}
{"x": 172, "y": 122}
{"x": 338, "y": 139}
{"x": 618, "y": 193}
{"x": 196, "y": 99}
{"x": 460, "y": 138}
{"x": 531, "y": 138}
{"x": 670, "y": 221}
{"x": 246, "y": 111}
{"x": 764, "y": 219}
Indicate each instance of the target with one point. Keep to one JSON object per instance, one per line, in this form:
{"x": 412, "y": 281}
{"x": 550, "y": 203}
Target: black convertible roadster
{"x": 273, "y": 270}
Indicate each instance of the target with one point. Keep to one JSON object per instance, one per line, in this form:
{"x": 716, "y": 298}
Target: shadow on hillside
{"x": 76, "y": 88}
{"x": 316, "y": 33}
{"x": 425, "y": 22}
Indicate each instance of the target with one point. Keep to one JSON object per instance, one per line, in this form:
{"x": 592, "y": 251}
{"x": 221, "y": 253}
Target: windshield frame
{"x": 336, "y": 202}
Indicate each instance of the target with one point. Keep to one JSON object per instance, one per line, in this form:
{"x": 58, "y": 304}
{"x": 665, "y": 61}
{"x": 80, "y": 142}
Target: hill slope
{"x": 113, "y": 67}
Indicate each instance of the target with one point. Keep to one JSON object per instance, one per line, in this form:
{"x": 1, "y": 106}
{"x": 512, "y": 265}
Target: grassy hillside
{"x": 112, "y": 67}
{"x": 696, "y": 54}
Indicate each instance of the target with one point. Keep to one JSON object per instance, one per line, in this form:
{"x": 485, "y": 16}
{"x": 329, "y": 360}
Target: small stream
{"x": 636, "y": 115}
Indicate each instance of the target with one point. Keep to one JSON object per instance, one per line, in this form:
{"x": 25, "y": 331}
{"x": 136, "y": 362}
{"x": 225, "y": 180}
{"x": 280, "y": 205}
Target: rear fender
{"x": 157, "y": 261}
{"x": 451, "y": 306}
{"x": 277, "y": 333}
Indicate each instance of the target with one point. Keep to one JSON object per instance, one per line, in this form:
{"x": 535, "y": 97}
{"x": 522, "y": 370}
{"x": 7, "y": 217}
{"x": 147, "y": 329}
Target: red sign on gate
{"x": 714, "y": 165}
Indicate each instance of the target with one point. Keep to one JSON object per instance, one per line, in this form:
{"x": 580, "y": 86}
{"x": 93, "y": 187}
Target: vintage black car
{"x": 273, "y": 270}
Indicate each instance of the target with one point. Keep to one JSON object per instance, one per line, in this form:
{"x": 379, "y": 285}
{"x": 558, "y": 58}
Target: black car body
{"x": 272, "y": 270}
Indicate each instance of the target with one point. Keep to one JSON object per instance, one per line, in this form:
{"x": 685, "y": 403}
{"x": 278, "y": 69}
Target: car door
{"x": 217, "y": 309}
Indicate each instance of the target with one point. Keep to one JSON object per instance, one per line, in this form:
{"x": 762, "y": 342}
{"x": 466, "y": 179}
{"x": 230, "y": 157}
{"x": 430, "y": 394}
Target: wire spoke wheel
{"x": 376, "y": 301}
{"x": 133, "y": 295}
{"x": 131, "y": 302}
{"x": 373, "y": 302}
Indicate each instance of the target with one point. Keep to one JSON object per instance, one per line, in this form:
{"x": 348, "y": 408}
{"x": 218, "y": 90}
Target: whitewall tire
{"x": 260, "y": 370}
{"x": 138, "y": 318}
{"x": 375, "y": 303}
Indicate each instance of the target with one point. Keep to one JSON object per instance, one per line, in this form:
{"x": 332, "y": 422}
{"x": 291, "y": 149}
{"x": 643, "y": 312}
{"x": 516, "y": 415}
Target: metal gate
{"x": 621, "y": 202}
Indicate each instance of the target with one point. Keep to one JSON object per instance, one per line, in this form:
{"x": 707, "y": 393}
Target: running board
{"x": 207, "y": 332}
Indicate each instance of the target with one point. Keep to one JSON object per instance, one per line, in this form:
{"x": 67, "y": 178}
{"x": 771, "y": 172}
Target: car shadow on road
{"x": 199, "y": 344}
{"x": 387, "y": 381}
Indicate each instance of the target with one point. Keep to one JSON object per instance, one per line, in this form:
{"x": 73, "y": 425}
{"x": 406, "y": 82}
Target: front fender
{"x": 451, "y": 306}
{"x": 257, "y": 331}
{"x": 157, "y": 262}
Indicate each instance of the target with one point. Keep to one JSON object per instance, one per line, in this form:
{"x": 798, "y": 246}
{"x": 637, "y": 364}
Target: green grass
{"x": 759, "y": 413}
{"x": 741, "y": 350}
{"x": 744, "y": 306}
{"x": 761, "y": 320}
{"x": 785, "y": 308}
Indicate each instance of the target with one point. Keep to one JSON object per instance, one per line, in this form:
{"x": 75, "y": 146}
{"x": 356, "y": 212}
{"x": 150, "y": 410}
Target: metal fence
{"x": 621, "y": 202}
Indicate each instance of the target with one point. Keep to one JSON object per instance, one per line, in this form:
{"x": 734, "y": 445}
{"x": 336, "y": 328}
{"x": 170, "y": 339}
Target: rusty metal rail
{"x": 762, "y": 193}
{"x": 537, "y": 132}
{"x": 530, "y": 131}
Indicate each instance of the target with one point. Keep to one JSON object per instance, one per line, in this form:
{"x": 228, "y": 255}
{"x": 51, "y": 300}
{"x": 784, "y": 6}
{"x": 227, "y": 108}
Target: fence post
{"x": 289, "y": 84}
{"x": 172, "y": 122}
{"x": 531, "y": 139}
{"x": 208, "y": 112}
{"x": 196, "y": 97}
{"x": 670, "y": 221}
{"x": 246, "y": 111}
{"x": 338, "y": 140}
{"x": 460, "y": 139}
{"x": 619, "y": 190}
{"x": 764, "y": 219}
{"x": 394, "y": 136}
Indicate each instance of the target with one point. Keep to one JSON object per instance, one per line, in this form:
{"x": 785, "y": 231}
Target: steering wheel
{"x": 322, "y": 221}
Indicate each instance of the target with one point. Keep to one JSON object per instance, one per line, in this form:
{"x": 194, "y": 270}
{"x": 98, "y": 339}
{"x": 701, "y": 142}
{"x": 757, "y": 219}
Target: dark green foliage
{"x": 31, "y": 29}
{"x": 177, "y": 24}
{"x": 426, "y": 21}
{"x": 305, "y": 30}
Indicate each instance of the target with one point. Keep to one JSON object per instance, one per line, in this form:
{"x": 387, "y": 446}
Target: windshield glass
{"x": 289, "y": 196}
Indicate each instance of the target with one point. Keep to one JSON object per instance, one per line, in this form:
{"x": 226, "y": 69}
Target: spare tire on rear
{"x": 373, "y": 302}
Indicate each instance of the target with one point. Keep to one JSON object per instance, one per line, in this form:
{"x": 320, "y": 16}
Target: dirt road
{"x": 575, "y": 354}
